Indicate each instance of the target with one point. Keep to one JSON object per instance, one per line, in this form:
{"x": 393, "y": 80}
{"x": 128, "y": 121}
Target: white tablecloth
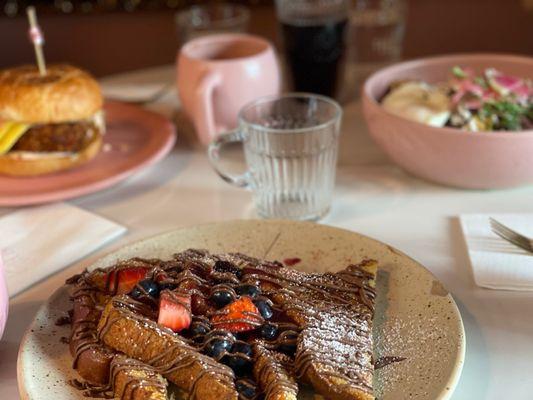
{"x": 372, "y": 197}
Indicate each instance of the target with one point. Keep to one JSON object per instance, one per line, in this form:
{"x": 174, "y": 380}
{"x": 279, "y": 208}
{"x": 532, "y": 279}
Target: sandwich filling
{"x": 65, "y": 137}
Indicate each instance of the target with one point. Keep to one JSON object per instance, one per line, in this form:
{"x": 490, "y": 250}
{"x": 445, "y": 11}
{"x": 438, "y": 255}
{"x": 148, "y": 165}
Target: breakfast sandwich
{"x": 48, "y": 123}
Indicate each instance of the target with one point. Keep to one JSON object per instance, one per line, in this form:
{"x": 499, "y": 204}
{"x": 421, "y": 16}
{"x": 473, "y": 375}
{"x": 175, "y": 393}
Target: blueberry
{"x": 221, "y": 297}
{"x": 146, "y": 286}
{"x": 239, "y": 364}
{"x": 215, "y": 347}
{"x": 248, "y": 290}
{"x": 226, "y": 266}
{"x": 246, "y": 389}
{"x": 199, "y": 329}
{"x": 136, "y": 293}
{"x": 198, "y": 339}
{"x": 269, "y": 331}
{"x": 264, "y": 308}
{"x": 242, "y": 348}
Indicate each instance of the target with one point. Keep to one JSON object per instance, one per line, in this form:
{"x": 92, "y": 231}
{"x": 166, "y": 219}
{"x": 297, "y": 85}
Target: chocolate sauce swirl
{"x": 326, "y": 317}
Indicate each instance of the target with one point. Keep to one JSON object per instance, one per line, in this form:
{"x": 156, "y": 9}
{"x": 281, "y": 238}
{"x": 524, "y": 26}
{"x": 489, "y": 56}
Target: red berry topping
{"x": 160, "y": 276}
{"x": 289, "y": 262}
{"x": 123, "y": 280}
{"x": 174, "y": 310}
{"x": 240, "y": 316}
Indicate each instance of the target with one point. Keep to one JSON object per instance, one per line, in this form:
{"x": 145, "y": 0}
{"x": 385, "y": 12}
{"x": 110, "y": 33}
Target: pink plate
{"x": 135, "y": 139}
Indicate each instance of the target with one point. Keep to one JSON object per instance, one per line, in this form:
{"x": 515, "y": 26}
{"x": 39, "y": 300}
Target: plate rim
{"x": 106, "y": 183}
{"x": 446, "y": 392}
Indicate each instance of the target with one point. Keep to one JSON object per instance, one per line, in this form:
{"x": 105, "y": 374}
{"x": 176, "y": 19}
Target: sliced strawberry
{"x": 174, "y": 310}
{"x": 123, "y": 280}
{"x": 240, "y": 316}
{"x": 160, "y": 276}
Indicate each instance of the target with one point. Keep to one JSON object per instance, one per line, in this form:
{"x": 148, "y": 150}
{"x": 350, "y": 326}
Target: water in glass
{"x": 290, "y": 145}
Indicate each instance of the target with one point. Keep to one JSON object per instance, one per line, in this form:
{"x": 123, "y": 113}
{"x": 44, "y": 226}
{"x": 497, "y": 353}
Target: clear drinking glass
{"x": 208, "y": 19}
{"x": 375, "y": 39}
{"x": 290, "y": 145}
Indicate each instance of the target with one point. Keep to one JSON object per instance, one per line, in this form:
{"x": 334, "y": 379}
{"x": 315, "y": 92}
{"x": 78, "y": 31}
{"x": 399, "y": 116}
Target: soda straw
{"x": 37, "y": 38}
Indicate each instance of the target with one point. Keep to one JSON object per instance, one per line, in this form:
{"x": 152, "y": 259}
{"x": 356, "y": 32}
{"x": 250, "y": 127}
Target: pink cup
{"x": 4, "y": 298}
{"x": 219, "y": 74}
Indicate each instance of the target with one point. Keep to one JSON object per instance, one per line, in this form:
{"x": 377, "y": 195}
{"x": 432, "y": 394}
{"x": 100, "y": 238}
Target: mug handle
{"x": 204, "y": 117}
{"x": 243, "y": 180}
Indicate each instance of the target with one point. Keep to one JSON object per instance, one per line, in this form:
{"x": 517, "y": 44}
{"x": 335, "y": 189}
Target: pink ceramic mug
{"x": 4, "y": 298}
{"x": 219, "y": 74}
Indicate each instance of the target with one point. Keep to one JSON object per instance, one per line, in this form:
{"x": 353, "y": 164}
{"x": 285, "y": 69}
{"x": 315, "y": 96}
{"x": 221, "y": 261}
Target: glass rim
{"x": 293, "y": 95}
{"x": 241, "y": 15}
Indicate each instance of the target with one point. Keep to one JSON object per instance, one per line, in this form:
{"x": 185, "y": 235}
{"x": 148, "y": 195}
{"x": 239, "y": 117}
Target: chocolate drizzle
{"x": 272, "y": 371}
{"x": 387, "y": 360}
{"x": 327, "y": 318}
{"x": 127, "y": 378}
{"x": 86, "y": 315}
{"x": 335, "y": 314}
{"x": 92, "y": 390}
{"x": 64, "y": 320}
{"x": 133, "y": 376}
{"x": 175, "y": 355}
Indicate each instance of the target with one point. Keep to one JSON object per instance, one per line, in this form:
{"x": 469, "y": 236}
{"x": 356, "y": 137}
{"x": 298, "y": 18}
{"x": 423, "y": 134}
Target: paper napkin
{"x": 496, "y": 263}
{"x": 37, "y": 242}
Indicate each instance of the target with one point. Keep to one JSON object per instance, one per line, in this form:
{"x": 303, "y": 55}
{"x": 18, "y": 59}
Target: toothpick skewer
{"x": 37, "y": 38}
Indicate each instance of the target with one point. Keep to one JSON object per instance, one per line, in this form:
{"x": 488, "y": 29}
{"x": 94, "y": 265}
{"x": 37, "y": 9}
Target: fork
{"x": 511, "y": 236}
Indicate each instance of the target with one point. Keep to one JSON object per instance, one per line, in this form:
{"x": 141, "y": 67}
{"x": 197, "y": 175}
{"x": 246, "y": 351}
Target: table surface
{"x": 372, "y": 197}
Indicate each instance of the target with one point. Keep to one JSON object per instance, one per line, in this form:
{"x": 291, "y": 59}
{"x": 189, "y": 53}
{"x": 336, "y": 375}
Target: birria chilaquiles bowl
{"x": 450, "y": 156}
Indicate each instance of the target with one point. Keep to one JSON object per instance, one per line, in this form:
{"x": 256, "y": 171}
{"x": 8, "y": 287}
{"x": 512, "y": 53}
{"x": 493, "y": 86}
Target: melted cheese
{"x": 10, "y": 132}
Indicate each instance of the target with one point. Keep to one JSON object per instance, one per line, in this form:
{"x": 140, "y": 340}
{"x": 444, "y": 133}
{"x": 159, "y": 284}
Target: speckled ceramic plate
{"x": 416, "y": 317}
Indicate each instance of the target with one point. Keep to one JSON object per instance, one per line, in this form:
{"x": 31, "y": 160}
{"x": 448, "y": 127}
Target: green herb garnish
{"x": 458, "y": 72}
{"x": 509, "y": 115}
{"x": 481, "y": 82}
{"x": 529, "y": 113}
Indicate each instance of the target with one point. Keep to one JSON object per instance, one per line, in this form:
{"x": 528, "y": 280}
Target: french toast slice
{"x": 134, "y": 380}
{"x": 125, "y": 329}
{"x": 334, "y": 312}
{"x": 91, "y": 358}
{"x": 90, "y": 293}
{"x": 272, "y": 371}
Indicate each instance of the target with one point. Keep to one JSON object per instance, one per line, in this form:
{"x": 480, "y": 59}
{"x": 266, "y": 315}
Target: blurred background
{"x": 110, "y": 36}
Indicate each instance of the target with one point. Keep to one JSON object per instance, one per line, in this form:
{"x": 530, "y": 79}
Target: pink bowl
{"x": 474, "y": 160}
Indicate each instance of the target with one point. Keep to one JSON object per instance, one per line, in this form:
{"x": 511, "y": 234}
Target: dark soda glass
{"x": 315, "y": 50}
